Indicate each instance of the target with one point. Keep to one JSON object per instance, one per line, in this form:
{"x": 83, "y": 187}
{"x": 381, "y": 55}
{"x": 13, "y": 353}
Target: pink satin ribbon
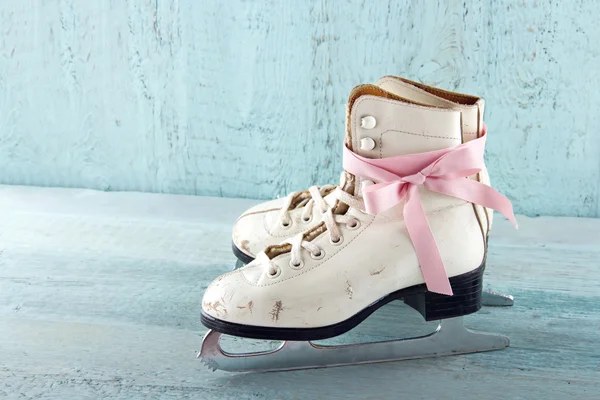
{"x": 443, "y": 171}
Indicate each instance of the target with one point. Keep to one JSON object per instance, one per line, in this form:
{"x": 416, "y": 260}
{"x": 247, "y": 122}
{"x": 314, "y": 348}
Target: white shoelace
{"x": 331, "y": 223}
{"x": 316, "y": 198}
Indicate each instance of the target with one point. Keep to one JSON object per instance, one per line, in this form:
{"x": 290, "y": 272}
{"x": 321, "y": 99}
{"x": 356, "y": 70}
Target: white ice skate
{"x": 274, "y": 221}
{"x": 404, "y": 226}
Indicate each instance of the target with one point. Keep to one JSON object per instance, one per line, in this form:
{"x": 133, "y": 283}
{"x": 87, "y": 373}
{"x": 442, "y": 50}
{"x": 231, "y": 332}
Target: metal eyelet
{"x": 340, "y": 241}
{"x": 276, "y": 274}
{"x": 319, "y": 255}
{"x": 300, "y": 265}
{"x": 286, "y": 224}
{"x": 354, "y": 225}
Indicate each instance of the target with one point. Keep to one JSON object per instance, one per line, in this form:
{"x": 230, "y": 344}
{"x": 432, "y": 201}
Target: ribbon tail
{"x": 474, "y": 192}
{"x": 432, "y": 266}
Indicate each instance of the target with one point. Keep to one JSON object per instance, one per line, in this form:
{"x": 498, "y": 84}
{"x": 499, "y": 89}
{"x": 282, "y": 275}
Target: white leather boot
{"x": 274, "y": 221}
{"x": 404, "y": 227}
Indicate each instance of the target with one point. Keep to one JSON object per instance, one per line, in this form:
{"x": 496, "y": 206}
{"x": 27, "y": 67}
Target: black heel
{"x": 467, "y": 289}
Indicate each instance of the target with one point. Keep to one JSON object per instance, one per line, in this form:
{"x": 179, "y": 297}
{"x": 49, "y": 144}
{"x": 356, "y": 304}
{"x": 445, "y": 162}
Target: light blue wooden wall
{"x": 246, "y": 98}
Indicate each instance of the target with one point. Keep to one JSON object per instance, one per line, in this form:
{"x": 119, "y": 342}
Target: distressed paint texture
{"x": 246, "y": 98}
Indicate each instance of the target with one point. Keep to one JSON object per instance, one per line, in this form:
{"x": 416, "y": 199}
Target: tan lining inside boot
{"x": 444, "y": 94}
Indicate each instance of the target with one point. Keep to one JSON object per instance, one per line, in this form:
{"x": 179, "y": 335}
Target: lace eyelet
{"x": 286, "y": 224}
{"x": 307, "y": 220}
{"x": 319, "y": 256}
{"x": 300, "y": 265}
{"x": 340, "y": 241}
{"x": 353, "y": 225}
{"x": 276, "y": 274}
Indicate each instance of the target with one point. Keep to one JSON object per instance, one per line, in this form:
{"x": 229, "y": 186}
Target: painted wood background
{"x": 100, "y": 297}
{"x": 246, "y": 98}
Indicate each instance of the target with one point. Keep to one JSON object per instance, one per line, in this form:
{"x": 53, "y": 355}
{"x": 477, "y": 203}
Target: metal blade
{"x": 496, "y": 299}
{"x": 238, "y": 264}
{"x": 450, "y": 338}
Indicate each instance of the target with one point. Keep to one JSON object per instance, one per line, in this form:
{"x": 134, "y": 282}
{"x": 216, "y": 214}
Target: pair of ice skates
{"x": 409, "y": 221}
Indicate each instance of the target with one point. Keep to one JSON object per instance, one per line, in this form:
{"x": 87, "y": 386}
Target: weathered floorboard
{"x": 100, "y": 296}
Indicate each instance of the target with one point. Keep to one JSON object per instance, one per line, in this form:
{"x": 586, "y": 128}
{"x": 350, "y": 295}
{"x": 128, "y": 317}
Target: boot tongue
{"x": 347, "y": 180}
{"x": 471, "y": 107}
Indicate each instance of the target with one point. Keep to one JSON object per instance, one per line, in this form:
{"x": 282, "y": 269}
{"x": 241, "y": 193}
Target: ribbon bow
{"x": 443, "y": 171}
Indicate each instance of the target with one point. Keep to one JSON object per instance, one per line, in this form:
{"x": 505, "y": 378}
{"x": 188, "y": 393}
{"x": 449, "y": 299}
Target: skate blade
{"x": 496, "y": 299}
{"x": 238, "y": 264}
{"x": 450, "y": 338}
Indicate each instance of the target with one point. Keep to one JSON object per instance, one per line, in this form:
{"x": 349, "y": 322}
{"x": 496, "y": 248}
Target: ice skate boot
{"x": 403, "y": 227}
{"x": 274, "y": 221}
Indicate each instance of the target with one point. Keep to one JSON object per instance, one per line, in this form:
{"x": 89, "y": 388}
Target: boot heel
{"x": 467, "y": 289}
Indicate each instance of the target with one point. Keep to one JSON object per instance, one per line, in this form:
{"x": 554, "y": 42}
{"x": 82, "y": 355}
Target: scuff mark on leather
{"x": 373, "y": 273}
{"x": 349, "y": 290}
{"x": 244, "y": 244}
{"x": 249, "y": 306}
{"x": 216, "y": 306}
{"x": 277, "y": 307}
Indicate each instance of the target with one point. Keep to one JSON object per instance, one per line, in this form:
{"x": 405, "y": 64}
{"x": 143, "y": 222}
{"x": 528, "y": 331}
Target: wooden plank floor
{"x": 100, "y": 296}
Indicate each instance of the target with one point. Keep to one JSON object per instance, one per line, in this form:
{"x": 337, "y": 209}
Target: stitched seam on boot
{"x": 371, "y": 98}
{"x": 408, "y": 133}
{"x": 420, "y": 91}
{"x": 419, "y": 134}
{"x": 437, "y": 92}
{"x": 257, "y": 212}
{"x": 449, "y": 103}
{"x": 255, "y": 284}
